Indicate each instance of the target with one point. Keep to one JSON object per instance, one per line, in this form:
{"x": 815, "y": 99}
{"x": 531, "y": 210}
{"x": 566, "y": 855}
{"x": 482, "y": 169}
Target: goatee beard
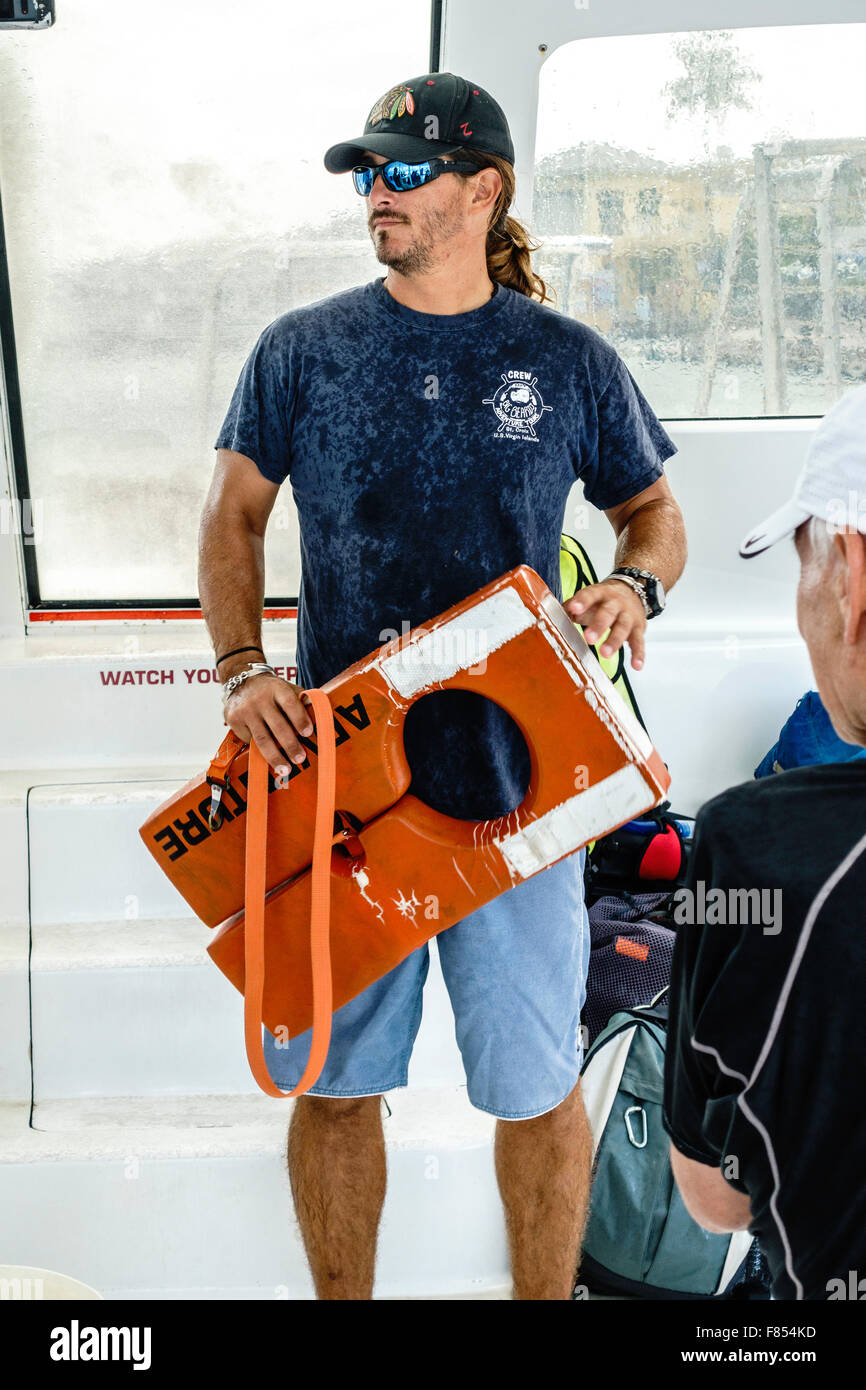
{"x": 436, "y": 228}
{"x": 412, "y": 261}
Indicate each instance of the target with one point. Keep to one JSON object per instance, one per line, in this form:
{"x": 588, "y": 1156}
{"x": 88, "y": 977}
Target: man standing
{"x": 431, "y": 424}
{"x": 765, "y": 1074}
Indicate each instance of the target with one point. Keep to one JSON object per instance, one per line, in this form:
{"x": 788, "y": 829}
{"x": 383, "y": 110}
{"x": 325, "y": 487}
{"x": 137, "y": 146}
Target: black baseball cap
{"x": 399, "y": 124}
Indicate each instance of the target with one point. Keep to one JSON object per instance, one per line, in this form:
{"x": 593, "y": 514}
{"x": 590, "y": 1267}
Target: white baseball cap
{"x": 832, "y": 481}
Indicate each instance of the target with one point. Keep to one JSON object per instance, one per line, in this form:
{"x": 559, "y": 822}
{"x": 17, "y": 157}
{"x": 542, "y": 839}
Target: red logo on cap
{"x": 464, "y": 126}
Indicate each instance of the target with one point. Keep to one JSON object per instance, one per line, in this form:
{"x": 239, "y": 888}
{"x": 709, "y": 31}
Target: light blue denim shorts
{"x": 515, "y": 971}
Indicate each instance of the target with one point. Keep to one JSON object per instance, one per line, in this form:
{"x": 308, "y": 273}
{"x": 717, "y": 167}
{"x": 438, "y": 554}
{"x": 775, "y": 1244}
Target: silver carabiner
{"x": 215, "y": 810}
{"x": 639, "y": 1110}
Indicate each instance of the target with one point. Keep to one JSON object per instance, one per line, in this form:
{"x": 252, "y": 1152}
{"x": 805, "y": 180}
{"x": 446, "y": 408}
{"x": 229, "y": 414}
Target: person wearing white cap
{"x": 766, "y": 1072}
{"x": 832, "y": 481}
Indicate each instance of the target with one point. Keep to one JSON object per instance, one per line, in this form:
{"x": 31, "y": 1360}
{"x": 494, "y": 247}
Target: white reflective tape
{"x": 564, "y": 631}
{"x": 459, "y": 644}
{"x": 625, "y": 717}
{"x": 585, "y": 816}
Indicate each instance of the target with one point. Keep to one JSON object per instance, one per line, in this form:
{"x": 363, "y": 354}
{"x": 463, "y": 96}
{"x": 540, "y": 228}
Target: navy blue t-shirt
{"x": 428, "y": 454}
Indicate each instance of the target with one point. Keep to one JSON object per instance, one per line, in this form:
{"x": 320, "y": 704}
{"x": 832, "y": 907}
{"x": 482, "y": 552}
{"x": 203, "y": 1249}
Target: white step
{"x": 75, "y": 836}
{"x": 188, "y": 1196}
{"x": 133, "y": 1007}
{"x": 87, "y": 859}
{"x": 14, "y": 875}
{"x": 14, "y": 1013}
{"x": 138, "y": 1007}
{"x": 158, "y": 701}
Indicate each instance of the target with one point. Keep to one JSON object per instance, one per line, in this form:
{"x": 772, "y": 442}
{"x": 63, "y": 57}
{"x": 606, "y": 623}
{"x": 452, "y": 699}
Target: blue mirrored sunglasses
{"x": 400, "y": 176}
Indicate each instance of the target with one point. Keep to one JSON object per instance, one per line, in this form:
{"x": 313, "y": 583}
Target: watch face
{"x": 650, "y": 584}
{"x": 655, "y": 593}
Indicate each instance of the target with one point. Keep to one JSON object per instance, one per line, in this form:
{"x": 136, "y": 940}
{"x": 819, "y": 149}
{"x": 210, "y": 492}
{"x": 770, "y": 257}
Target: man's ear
{"x": 851, "y": 549}
{"x": 487, "y": 187}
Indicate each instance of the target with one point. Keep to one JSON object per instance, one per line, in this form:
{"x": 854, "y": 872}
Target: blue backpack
{"x": 806, "y": 738}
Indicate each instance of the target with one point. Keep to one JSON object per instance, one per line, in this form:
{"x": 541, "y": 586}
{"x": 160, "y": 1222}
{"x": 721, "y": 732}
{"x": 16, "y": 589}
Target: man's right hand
{"x": 271, "y": 711}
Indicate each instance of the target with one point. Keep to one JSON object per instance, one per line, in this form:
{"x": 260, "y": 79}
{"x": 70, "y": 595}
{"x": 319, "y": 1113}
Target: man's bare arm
{"x": 708, "y": 1196}
{"x": 651, "y": 535}
{"x": 231, "y": 581}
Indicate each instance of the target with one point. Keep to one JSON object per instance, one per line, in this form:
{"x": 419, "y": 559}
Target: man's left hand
{"x": 615, "y": 606}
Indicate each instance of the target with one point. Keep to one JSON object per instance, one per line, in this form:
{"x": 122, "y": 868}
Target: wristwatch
{"x": 648, "y": 586}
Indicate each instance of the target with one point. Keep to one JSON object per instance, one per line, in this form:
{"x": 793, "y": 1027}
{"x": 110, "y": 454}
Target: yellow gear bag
{"x": 576, "y": 572}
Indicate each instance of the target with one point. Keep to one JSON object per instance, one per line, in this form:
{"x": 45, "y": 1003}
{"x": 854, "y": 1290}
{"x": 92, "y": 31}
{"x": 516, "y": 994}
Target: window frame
{"x": 38, "y": 609}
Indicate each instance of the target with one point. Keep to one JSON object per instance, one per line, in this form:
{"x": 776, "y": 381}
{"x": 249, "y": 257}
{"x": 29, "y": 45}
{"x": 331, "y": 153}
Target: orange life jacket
{"x": 397, "y": 871}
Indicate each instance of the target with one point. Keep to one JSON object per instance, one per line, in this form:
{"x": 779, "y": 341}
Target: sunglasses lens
{"x": 363, "y": 180}
{"x": 400, "y": 176}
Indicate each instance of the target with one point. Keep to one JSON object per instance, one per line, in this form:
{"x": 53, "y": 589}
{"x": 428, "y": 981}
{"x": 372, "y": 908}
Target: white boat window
{"x": 702, "y": 200}
{"x": 164, "y": 199}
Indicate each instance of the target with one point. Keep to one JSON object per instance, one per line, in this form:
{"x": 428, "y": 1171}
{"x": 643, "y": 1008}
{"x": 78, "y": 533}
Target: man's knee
{"x": 337, "y": 1109}
{"x": 569, "y": 1112}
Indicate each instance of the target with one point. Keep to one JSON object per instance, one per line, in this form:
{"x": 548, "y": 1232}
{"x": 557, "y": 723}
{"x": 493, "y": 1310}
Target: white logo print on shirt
{"x": 517, "y": 405}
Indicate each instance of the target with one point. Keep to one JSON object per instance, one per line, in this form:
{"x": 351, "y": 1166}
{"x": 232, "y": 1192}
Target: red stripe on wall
{"x": 90, "y": 615}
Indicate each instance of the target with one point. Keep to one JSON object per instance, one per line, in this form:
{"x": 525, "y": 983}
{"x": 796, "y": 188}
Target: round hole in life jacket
{"x": 467, "y": 756}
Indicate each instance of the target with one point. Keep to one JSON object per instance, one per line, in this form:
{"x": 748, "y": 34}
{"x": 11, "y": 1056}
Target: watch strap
{"x": 649, "y": 586}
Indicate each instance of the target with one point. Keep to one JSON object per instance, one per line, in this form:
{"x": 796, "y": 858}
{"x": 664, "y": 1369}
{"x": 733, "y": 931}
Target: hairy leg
{"x": 336, "y": 1158}
{"x": 543, "y": 1167}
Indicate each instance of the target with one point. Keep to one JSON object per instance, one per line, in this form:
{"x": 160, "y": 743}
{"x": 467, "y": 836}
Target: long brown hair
{"x": 509, "y": 245}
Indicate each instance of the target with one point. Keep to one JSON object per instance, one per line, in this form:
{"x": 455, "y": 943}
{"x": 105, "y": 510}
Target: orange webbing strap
{"x": 254, "y": 918}
{"x": 218, "y": 775}
{"x": 225, "y": 755}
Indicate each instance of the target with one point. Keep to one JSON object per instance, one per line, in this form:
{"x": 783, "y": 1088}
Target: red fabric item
{"x": 663, "y": 856}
